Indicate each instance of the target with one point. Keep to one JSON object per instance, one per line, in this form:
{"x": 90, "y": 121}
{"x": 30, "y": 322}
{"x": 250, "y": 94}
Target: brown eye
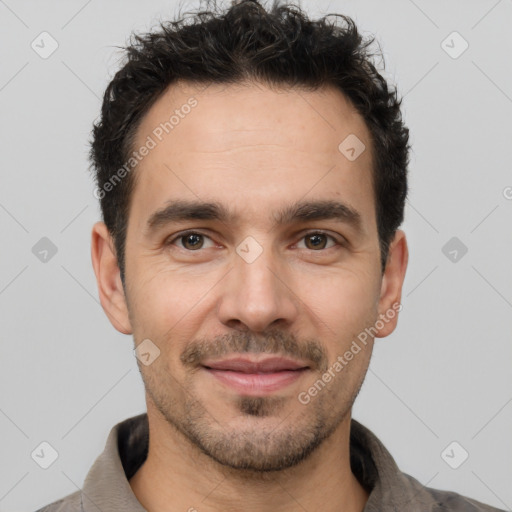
{"x": 317, "y": 241}
{"x": 191, "y": 241}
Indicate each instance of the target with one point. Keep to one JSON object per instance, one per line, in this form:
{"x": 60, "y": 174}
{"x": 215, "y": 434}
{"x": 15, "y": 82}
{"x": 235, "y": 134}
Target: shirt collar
{"x": 107, "y": 487}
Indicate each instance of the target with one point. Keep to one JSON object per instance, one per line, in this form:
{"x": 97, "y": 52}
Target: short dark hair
{"x": 279, "y": 47}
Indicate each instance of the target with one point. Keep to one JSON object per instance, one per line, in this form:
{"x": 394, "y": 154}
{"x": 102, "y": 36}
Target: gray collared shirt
{"x": 107, "y": 488}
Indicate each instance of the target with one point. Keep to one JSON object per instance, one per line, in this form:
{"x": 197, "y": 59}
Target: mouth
{"x": 256, "y": 377}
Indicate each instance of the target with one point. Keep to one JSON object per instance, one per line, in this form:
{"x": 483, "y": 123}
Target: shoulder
{"x": 70, "y": 503}
{"x": 449, "y": 501}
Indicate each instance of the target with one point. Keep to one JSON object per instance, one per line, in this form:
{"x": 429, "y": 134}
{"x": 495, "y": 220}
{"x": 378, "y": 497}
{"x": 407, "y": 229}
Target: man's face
{"x": 249, "y": 285}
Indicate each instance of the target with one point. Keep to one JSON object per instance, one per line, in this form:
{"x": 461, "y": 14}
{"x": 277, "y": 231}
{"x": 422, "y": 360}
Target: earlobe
{"x": 391, "y": 287}
{"x": 108, "y": 278}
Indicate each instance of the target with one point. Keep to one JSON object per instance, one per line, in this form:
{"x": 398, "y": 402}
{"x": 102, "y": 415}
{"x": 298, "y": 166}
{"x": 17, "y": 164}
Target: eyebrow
{"x": 303, "y": 211}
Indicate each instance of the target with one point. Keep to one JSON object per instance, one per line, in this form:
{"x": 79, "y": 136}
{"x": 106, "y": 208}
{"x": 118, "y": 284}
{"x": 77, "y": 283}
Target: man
{"x": 252, "y": 172}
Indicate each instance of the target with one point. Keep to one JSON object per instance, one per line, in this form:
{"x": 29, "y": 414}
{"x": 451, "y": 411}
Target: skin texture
{"x": 255, "y": 150}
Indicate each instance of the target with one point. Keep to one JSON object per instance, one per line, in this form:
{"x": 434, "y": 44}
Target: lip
{"x": 256, "y": 377}
{"x": 248, "y": 365}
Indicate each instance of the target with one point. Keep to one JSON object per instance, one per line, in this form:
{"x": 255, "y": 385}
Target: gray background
{"x": 66, "y": 376}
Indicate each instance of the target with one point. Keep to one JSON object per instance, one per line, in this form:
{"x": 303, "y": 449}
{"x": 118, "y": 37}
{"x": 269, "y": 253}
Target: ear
{"x": 108, "y": 277}
{"x": 391, "y": 287}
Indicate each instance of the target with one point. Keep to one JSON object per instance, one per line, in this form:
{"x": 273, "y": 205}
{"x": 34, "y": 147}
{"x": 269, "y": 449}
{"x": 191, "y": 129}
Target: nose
{"x": 258, "y": 293}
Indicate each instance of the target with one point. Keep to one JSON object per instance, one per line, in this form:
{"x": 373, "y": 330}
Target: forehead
{"x": 254, "y": 146}
{"x": 216, "y": 117}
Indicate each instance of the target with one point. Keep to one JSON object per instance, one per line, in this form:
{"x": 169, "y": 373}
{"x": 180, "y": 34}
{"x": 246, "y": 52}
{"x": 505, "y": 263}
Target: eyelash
{"x": 183, "y": 234}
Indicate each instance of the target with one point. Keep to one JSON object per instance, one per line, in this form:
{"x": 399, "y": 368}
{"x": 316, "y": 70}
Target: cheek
{"x": 344, "y": 301}
{"x": 166, "y": 303}
{"x": 344, "y": 305}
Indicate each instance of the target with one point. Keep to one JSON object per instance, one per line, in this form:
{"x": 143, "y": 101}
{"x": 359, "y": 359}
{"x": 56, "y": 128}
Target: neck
{"x": 178, "y": 476}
